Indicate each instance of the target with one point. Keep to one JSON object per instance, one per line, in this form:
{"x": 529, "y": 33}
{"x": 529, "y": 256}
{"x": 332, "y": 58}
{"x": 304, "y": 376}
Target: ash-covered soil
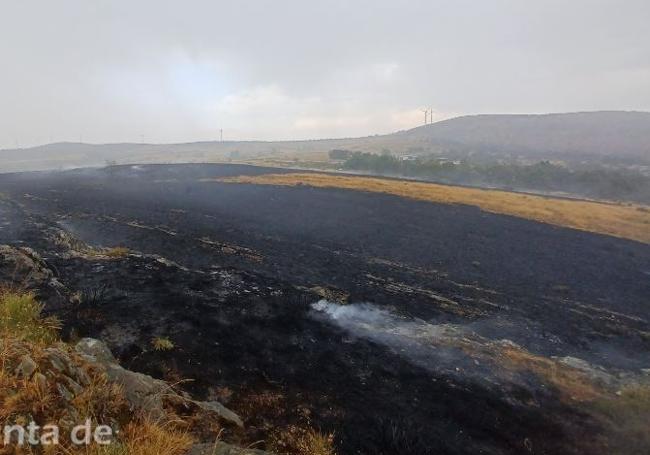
{"x": 388, "y": 321}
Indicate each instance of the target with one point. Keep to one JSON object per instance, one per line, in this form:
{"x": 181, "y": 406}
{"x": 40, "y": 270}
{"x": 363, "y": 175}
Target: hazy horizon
{"x": 158, "y": 73}
{"x": 217, "y": 139}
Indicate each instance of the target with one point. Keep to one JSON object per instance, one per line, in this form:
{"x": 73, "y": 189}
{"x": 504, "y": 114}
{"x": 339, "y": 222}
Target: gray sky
{"x": 113, "y": 70}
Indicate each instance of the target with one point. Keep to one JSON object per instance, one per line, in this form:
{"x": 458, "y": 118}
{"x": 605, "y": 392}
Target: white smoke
{"x": 435, "y": 347}
{"x": 463, "y": 350}
{"x": 369, "y": 321}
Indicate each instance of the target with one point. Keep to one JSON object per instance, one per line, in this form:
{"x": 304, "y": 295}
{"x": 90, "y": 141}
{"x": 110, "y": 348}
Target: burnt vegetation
{"x": 229, "y": 274}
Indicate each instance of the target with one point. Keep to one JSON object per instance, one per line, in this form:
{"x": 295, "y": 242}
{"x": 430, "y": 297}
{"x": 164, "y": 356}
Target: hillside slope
{"x": 603, "y": 136}
{"x": 622, "y": 135}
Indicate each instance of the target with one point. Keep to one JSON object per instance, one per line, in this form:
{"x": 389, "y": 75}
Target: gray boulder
{"x": 24, "y": 267}
{"x": 142, "y": 392}
{"x": 26, "y": 367}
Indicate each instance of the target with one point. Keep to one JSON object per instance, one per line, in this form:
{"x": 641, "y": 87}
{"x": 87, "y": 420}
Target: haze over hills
{"x": 606, "y": 136}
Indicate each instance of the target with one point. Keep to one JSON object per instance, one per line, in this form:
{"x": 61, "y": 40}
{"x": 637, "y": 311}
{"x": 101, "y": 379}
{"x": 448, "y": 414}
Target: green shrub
{"x": 21, "y": 316}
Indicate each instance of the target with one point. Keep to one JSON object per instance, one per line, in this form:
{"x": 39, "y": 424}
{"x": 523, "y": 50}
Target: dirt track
{"x": 256, "y": 258}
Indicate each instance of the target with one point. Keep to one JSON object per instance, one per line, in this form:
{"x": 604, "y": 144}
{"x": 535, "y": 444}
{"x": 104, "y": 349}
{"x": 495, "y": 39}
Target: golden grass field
{"x": 619, "y": 220}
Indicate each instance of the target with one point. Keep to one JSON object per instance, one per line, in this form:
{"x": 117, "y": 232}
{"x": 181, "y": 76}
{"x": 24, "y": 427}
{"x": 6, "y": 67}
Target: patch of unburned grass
{"x": 162, "y": 344}
{"x": 571, "y": 384}
{"x": 36, "y": 396}
{"x": 21, "y": 317}
{"x": 619, "y": 220}
{"x": 626, "y": 418}
{"x": 296, "y": 440}
{"x": 148, "y": 438}
{"x": 23, "y": 399}
{"x": 117, "y": 252}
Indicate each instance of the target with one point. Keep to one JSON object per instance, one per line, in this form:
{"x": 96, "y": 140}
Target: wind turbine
{"x": 425, "y": 115}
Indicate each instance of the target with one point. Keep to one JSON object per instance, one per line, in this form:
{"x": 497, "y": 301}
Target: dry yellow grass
{"x": 626, "y": 419}
{"x": 296, "y": 440}
{"x": 24, "y": 332}
{"x": 23, "y": 400}
{"x": 21, "y": 318}
{"x": 162, "y": 344}
{"x": 117, "y": 252}
{"x": 147, "y": 438}
{"x": 572, "y": 384}
{"x": 618, "y": 220}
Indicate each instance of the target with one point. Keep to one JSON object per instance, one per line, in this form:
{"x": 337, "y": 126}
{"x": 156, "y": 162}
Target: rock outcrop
{"x": 25, "y": 268}
{"x": 144, "y": 393}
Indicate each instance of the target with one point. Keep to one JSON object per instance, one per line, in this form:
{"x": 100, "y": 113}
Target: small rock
{"x": 81, "y": 376}
{"x": 57, "y": 365}
{"x": 73, "y": 385}
{"x": 64, "y": 392}
{"x": 143, "y": 392}
{"x": 41, "y": 381}
{"x": 221, "y": 411}
{"x": 58, "y": 359}
{"x": 96, "y": 349}
{"x": 26, "y": 368}
{"x": 23, "y": 266}
{"x": 508, "y": 344}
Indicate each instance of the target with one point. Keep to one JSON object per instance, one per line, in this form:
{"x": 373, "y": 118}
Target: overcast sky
{"x": 118, "y": 70}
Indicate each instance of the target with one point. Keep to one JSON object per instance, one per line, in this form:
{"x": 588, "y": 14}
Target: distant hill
{"x": 611, "y": 136}
{"x": 616, "y": 135}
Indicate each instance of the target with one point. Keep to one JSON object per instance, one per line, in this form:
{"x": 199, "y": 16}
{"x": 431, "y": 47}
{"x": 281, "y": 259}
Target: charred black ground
{"x": 248, "y": 262}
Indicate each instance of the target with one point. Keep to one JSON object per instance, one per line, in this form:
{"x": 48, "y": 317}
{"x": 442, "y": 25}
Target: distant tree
{"x": 339, "y": 154}
{"x": 540, "y": 176}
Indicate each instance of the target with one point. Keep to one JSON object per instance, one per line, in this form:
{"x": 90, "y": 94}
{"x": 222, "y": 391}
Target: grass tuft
{"x": 149, "y": 438}
{"x": 303, "y": 441}
{"x": 117, "y": 252}
{"x": 21, "y": 316}
{"x": 162, "y": 344}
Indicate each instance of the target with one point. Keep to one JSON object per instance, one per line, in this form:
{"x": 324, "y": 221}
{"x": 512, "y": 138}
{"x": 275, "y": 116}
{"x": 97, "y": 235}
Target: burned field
{"x": 401, "y": 326}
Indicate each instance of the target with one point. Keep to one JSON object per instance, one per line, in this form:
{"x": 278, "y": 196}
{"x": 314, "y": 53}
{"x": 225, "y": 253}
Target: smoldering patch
{"x": 440, "y": 348}
{"x": 457, "y": 350}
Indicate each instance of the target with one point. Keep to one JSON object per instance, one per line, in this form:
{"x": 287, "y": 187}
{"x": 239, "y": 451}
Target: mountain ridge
{"x": 602, "y": 135}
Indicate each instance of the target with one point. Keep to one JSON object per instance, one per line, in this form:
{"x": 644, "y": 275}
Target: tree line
{"x": 544, "y": 176}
